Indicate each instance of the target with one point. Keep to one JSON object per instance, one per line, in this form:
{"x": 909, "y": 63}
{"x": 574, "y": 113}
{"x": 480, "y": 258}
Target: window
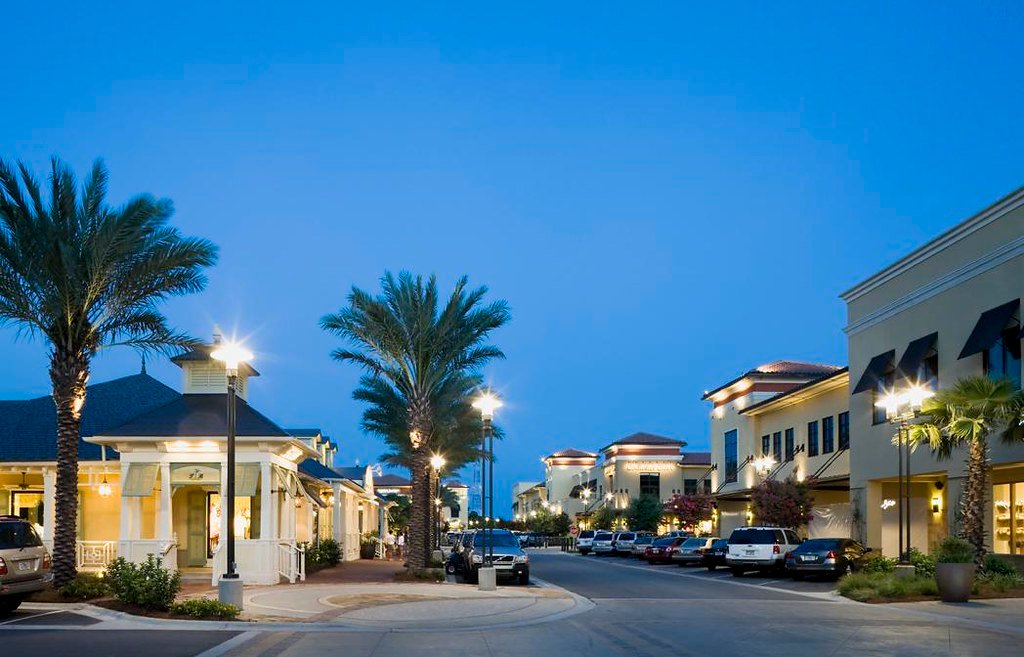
{"x": 1008, "y": 518}
{"x": 1002, "y": 359}
{"x": 777, "y": 445}
{"x": 790, "y": 446}
{"x": 650, "y": 484}
{"x": 689, "y": 486}
{"x": 812, "y": 438}
{"x": 731, "y": 456}
{"x": 883, "y": 386}
{"x": 844, "y": 430}
{"x": 928, "y": 371}
{"x": 707, "y": 486}
{"x": 766, "y": 444}
{"x": 828, "y": 443}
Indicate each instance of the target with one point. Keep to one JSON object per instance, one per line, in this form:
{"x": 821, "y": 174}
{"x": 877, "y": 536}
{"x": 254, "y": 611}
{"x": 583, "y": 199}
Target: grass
{"x": 886, "y": 587}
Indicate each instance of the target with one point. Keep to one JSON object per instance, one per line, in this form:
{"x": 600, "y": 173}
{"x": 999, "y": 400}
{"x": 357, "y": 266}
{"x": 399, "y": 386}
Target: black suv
{"x": 509, "y": 558}
{"x": 24, "y": 563}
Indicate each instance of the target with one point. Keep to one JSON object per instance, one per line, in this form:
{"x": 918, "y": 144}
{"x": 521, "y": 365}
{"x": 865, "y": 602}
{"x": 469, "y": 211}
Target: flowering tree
{"x": 783, "y": 503}
{"x": 690, "y": 510}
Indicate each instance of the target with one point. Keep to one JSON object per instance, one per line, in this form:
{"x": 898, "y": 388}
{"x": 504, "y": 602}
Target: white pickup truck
{"x": 759, "y": 548}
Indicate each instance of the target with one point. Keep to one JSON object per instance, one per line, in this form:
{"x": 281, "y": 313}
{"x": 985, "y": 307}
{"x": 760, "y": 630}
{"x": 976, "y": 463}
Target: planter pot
{"x": 955, "y": 581}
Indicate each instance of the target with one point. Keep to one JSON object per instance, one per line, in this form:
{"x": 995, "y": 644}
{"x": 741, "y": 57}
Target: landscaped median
{"x": 878, "y": 582}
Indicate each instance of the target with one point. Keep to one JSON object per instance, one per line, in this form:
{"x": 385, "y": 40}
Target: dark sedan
{"x": 714, "y": 555}
{"x": 662, "y": 549}
{"x": 832, "y": 557}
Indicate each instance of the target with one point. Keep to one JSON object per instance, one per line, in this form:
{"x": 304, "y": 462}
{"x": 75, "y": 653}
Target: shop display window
{"x": 1008, "y": 518}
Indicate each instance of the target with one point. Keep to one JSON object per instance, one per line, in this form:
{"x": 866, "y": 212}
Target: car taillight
{"x": 776, "y": 549}
{"x": 830, "y": 555}
{"x": 3, "y": 567}
{"x": 47, "y": 562}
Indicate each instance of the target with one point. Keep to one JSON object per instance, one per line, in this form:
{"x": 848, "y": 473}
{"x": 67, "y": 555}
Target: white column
{"x": 336, "y": 516}
{"x": 125, "y": 532}
{"x": 49, "y": 506}
{"x": 266, "y": 505}
{"x": 163, "y": 527}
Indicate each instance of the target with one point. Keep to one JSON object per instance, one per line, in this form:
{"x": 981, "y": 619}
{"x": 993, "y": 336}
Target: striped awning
{"x": 140, "y": 480}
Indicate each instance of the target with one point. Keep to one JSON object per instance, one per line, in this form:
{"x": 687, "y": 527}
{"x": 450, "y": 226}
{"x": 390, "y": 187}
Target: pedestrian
{"x": 401, "y": 545}
{"x": 389, "y": 544}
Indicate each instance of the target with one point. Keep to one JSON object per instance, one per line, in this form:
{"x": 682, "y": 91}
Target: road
{"x": 639, "y": 610}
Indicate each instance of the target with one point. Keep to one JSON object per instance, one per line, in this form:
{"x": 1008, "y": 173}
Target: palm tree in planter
{"x": 83, "y": 276}
{"x": 417, "y": 353}
{"x": 964, "y": 416}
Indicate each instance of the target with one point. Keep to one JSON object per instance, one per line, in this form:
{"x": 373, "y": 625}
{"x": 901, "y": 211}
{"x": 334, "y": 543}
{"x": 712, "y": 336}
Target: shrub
{"x": 954, "y": 550}
{"x": 999, "y": 582}
{"x": 427, "y": 574}
{"x": 876, "y": 563}
{"x": 148, "y": 585}
{"x": 367, "y": 549}
{"x": 924, "y": 565}
{"x": 204, "y": 608}
{"x": 879, "y": 586}
{"x": 329, "y": 552}
{"x": 85, "y": 586}
{"x": 996, "y": 566}
{"x": 783, "y": 503}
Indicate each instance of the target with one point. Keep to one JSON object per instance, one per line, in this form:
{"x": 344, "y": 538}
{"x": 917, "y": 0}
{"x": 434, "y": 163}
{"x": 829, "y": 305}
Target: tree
{"x": 644, "y": 514}
{"x": 420, "y": 358}
{"x": 782, "y": 503}
{"x": 399, "y": 513}
{"x": 964, "y": 416}
{"x": 83, "y": 276}
{"x": 603, "y": 518}
{"x": 691, "y": 510}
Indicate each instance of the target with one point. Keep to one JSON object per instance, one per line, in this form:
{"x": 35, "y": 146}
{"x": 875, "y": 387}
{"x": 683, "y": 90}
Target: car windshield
{"x": 602, "y": 537}
{"x": 693, "y": 542}
{"x": 665, "y": 541}
{"x": 587, "y": 533}
{"x": 720, "y": 543}
{"x": 627, "y": 536}
{"x": 816, "y": 544}
{"x": 500, "y": 540}
{"x": 14, "y": 535}
{"x": 644, "y": 539}
{"x": 752, "y": 537}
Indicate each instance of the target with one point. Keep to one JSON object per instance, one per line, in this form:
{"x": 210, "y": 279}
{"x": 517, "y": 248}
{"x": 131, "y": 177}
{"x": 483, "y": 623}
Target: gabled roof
{"x": 696, "y": 458}
{"x": 202, "y": 353}
{"x": 353, "y": 472}
{"x": 780, "y": 369}
{"x": 455, "y": 484}
{"x": 571, "y": 453}
{"x": 28, "y": 428}
{"x": 305, "y": 433}
{"x": 318, "y": 470}
{"x": 642, "y": 438}
{"x": 803, "y": 387}
{"x": 198, "y": 415}
{"x": 390, "y": 481}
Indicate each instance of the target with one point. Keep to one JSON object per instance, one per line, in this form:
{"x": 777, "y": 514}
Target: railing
{"x": 95, "y": 554}
{"x": 825, "y": 466}
{"x": 380, "y": 550}
{"x": 291, "y": 562}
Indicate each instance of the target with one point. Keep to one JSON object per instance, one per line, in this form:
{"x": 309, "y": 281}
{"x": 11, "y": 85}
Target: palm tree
{"x": 964, "y": 416}
{"x": 83, "y": 276}
{"x": 417, "y": 356}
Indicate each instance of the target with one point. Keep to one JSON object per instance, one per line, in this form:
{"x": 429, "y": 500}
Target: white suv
{"x": 585, "y": 541}
{"x": 759, "y": 548}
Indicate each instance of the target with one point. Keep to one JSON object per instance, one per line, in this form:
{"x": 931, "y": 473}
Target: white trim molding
{"x": 965, "y": 228}
{"x": 987, "y": 262}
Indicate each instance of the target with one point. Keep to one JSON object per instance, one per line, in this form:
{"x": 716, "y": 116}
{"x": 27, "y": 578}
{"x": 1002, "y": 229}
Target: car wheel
{"x": 450, "y": 568}
{"x": 712, "y": 568}
{"x": 524, "y": 579}
{"x": 798, "y": 576}
{"x": 9, "y": 604}
{"x": 736, "y": 572}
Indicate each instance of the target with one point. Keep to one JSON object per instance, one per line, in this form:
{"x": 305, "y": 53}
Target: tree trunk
{"x": 419, "y": 518}
{"x": 68, "y": 374}
{"x": 973, "y": 503}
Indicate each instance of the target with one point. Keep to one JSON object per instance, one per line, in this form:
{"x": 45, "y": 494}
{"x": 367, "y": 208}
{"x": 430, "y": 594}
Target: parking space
{"x": 34, "y": 617}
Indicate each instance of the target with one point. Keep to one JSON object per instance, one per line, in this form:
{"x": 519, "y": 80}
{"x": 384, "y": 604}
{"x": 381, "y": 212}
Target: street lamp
{"x": 436, "y": 463}
{"x": 901, "y": 407}
{"x": 229, "y": 588}
{"x": 487, "y": 403}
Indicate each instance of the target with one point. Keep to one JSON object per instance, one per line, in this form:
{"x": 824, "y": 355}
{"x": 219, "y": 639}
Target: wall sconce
{"x": 750, "y": 516}
{"x": 936, "y": 504}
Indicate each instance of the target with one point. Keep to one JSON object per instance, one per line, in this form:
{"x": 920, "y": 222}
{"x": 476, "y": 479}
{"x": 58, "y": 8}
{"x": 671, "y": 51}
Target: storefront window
{"x": 28, "y": 505}
{"x": 1008, "y": 518}
{"x": 1002, "y": 359}
{"x": 731, "y": 456}
{"x": 650, "y": 484}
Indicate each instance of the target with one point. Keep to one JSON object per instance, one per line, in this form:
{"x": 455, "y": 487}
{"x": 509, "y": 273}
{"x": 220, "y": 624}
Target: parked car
{"x": 825, "y": 556}
{"x": 509, "y": 558}
{"x": 24, "y": 563}
{"x": 640, "y": 545}
{"x": 714, "y": 555}
{"x": 604, "y": 543}
{"x": 533, "y": 539}
{"x": 661, "y": 550}
{"x": 759, "y": 548}
{"x": 676, "y": 533}
{"x": 624, "y": 543}
{"x": 585, "y": 541}
{"x": 691, "y": 551}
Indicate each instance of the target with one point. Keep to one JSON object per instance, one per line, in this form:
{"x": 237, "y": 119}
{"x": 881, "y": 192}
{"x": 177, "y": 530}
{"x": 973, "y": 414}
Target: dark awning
{"x": 910, "y": 362}
{"x": 990, "y": 325}
{"x": 876, "y": 369}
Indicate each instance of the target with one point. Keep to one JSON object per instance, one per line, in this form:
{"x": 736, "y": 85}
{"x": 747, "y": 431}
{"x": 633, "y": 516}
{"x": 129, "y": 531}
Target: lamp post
{"x": 436, "y": 463}
{"x": 229, "y": 588}
{"x": 487, "y": 403}
{"x": 901, "y": 407}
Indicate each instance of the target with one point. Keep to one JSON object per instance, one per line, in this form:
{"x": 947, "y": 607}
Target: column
{"x": 266, "y": 506}
{"x": 163, "y": 519}
{"x": 49, "y": 506}
{"x": 125, "y": 532}
{"x": 339, "y": 538}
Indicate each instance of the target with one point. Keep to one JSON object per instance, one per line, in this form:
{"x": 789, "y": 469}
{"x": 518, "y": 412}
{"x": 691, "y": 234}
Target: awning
{"x": 876, "y": 369}
{"x": 140, "y": 480}
{"x": 312, "y": 495}
{"x": 911, "y": 360}
{"x": 246, "y": 477}
{"x": 289, "y": 481}
{"x": 989, "y": 327}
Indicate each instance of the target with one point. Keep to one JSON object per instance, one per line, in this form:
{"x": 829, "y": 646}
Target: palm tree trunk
{"x": 973, "y": 503}
{"x": 68, "y": 374}
{"x": 419, "y": 520}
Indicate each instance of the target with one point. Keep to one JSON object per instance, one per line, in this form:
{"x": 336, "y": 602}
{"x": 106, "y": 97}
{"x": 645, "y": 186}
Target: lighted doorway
{"x": 28, "y": 505}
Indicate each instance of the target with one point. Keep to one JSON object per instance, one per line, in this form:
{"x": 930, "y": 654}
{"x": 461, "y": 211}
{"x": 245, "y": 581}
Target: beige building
{"x": 947, "y": 310}
{"x": 779, "y": 420}
{"x": 528, "y": 497}
{"x": 563, "y": 471}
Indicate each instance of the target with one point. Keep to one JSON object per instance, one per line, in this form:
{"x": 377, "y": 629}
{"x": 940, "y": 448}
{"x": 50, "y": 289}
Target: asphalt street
{"x": 639, "y": 610}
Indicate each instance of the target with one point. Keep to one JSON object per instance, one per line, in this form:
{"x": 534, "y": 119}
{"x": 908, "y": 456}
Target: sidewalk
{"x": 1002, "y": 614}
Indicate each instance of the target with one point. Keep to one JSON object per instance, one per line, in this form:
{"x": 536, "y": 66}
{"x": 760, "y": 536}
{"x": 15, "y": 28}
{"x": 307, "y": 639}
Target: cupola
{"x": 204, "y": 375}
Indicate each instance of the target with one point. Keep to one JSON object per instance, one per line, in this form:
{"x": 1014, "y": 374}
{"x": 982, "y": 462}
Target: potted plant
{"x": 954, "y": 569}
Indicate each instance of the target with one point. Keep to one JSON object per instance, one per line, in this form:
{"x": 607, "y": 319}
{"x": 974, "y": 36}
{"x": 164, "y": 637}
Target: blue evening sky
{"x": 665, "y": 196}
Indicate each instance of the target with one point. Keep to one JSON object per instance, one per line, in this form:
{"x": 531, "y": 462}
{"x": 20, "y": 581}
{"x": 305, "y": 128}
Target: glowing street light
{"x": 487, "y": 403}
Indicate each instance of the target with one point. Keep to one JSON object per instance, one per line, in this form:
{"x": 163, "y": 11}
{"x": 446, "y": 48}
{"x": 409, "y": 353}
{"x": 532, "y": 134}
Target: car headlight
{"x": 523, "y": 558}
{"x": 478, "y": 558}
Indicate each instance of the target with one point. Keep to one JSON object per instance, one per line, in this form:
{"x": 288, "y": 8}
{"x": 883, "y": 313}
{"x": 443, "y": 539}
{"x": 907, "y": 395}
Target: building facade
{"x": 947, "y": 310}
